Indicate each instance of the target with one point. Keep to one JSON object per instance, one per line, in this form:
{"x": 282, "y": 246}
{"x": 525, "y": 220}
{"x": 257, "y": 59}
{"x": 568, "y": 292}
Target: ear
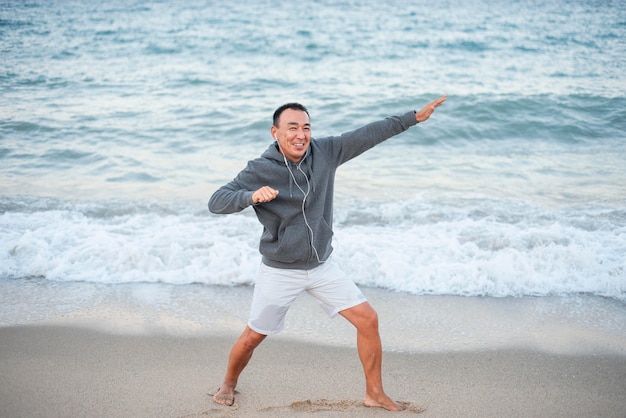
{"x": 274, "y": 132}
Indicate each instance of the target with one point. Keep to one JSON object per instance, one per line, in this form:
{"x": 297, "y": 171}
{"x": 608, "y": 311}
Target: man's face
{"x": 293, "y": 134}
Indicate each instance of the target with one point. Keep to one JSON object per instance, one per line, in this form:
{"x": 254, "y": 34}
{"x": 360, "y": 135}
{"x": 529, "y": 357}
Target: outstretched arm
{"x": 356, "y": 142}
{"x": 428, "y": 110}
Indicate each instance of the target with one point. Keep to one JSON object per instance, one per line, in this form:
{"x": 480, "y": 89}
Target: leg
{"x": 365, "y": 319}
{"x": 274, "y": 291}
{"x": 240, "y": 354}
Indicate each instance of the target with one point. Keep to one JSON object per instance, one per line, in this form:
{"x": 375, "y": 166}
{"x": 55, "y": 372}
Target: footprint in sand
{"x": 338, "y": 405}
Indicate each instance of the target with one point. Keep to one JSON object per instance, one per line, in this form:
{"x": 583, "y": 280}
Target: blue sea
{"x": 119, "y": 119}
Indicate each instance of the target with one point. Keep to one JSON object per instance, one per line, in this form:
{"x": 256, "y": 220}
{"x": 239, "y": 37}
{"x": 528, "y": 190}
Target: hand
{"x": 264, "y": 194}
{"x": 428, "y": 110}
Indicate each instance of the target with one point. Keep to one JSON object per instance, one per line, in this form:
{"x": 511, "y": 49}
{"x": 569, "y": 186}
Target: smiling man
{"x": 294, "y": 134}
{"x": 291, "y": 189}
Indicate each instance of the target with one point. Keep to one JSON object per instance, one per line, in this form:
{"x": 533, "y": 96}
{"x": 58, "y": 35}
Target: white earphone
{"x": 304, "y": 197}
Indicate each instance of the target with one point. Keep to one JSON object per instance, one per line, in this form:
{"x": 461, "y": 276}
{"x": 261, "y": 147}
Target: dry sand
{"x": 72, "y": 371}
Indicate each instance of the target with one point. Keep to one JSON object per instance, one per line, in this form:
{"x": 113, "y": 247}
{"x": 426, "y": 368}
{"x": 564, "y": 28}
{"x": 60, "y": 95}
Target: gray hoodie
{"x": 294, "y": 239}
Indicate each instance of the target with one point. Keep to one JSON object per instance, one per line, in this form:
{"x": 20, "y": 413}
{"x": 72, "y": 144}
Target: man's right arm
{"x": 235, "y": 196}
{"x": 230, "y": 198}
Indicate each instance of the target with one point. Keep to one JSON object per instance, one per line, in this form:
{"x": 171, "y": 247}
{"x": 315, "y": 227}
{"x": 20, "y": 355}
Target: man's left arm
{"x": 360, "y": 140}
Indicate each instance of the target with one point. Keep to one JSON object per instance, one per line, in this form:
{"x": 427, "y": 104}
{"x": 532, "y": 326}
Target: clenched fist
{"x": 264, "y": 194}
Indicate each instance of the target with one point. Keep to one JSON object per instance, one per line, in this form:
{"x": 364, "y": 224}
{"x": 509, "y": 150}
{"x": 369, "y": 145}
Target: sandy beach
{"x": 152, "y": 350}
{"x": 63, "y": 370}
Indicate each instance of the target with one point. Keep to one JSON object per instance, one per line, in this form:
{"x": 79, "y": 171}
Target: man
{"x": 291, "y": 190}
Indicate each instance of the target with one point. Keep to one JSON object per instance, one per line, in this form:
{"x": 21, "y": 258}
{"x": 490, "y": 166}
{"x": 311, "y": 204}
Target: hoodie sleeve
{"x": 354, "y": 143}
{"x": 230, "y": 198}
{"x": 236, "y": 195}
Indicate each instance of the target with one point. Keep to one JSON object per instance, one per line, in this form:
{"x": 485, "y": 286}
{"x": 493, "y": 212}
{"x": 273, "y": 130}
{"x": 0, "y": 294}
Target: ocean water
{"x": 119, "y": 119}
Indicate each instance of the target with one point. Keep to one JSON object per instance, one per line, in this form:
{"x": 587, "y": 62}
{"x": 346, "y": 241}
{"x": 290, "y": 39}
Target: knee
{"x": 251, "y": 339}
{"x": 363, "y": 317}
{"x": 372, "y": 319}
{"x": 368, "y": 321}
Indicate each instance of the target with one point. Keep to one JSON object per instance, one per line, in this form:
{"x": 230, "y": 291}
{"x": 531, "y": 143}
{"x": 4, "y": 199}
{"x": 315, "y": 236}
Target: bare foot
{"x": 225, "y": 396}
{"x": 384, "y": 402}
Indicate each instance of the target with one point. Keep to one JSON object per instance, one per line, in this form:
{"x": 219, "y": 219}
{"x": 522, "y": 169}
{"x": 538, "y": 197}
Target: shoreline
{"x": 578, "y": 324}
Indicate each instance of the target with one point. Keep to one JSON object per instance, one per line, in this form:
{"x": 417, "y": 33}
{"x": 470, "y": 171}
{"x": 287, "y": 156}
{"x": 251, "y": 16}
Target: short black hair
{"x": 293, "y": 106}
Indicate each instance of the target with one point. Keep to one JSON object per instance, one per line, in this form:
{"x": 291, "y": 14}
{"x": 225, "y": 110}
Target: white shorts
{"x": 276, "y": 289}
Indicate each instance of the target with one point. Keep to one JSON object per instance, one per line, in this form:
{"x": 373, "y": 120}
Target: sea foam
{"x": 476, "y": 247}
